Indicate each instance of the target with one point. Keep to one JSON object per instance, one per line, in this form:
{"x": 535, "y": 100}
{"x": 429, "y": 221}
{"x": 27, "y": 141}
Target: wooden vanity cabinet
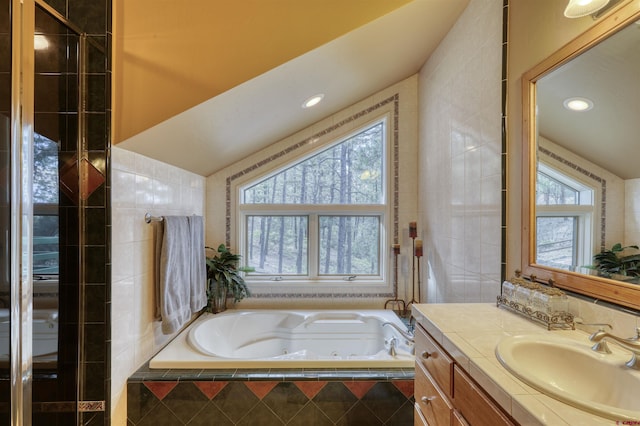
{"x": 474, "y": 404}
{"x": 445, "y": 394}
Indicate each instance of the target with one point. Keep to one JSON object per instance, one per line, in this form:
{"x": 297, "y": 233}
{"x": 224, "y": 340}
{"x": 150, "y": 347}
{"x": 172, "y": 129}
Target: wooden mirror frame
{"x": 618, "y": 292}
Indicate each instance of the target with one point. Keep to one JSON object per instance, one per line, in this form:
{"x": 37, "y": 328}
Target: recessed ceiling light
{"x": 578, "y": 104}
{"x": 313, "y": 100}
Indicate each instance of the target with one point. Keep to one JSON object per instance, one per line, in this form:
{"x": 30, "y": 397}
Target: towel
{"x": 198, "y": 264}
{"x": 173, "y": 279}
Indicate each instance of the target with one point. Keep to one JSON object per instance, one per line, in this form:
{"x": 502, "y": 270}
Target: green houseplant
{"x": 224, "y": 279}
{"x": 616, "y": 261}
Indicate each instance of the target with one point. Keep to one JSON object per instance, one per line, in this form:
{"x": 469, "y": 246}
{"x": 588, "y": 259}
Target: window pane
{"x": 556, "y": 241}
{"x": 348, "y": 173}
{"x": 45, "y": 199}
{"x": 277, "y": 245}
{"x": 45, "y": 170}
{"x": 550, "y": 191}
{"x": 45, "y": 245}
{"x": 349, "y": 245}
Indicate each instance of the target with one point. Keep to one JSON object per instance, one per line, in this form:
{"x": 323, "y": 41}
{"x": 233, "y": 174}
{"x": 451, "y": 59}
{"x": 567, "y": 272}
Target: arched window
{"x": 321, "y": 218}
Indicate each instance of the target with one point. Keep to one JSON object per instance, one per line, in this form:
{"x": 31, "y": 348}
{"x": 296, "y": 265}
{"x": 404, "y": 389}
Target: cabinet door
{"x": 457, "y": 419}
{"x": 475, "y": 406}
{"x": 418, "y": 417}
{"x": 430, "y": 401}
{"x": 435, "y": 360}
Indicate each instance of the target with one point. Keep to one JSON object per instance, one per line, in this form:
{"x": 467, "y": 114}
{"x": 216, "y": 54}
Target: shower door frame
{"x": 21, "y": 204}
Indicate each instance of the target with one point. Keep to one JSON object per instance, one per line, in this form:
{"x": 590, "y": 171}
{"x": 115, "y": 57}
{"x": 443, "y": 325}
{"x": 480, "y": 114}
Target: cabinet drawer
{"x": 477, "y": 408}
{"x": 430, "y": 401}
{"x": 435, "y": 360}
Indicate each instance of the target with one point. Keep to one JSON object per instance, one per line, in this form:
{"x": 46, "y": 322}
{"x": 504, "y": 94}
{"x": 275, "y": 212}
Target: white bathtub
{"x": 283, "y": 339}
{"x": 44, "y": 329}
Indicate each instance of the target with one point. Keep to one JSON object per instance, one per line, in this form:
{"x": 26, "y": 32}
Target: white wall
{"x": 632, "y": 212}
{"x": 139, "y": 185}
{"x": 460, "y": 158}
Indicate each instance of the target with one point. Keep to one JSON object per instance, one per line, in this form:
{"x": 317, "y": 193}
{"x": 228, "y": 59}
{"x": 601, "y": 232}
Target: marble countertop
{"x": 470, "y": 332}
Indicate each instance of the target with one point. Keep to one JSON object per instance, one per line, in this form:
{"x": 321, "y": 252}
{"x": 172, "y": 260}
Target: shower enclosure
{"x": 50, "y": 180}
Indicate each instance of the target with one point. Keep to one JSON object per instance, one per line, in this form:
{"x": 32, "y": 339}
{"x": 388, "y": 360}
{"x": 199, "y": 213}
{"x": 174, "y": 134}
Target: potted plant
{"x": 224, "y": 279}
{"x": 617, "y": 261}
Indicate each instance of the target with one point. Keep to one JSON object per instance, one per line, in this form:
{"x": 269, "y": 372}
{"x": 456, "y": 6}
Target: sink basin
{"x": 571, "y": 372}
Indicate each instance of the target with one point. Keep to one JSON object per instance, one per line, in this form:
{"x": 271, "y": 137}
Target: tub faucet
{"x": 632, "y": 344}
{"x": 405, "y": 334}
{"x": 392, "y": 346}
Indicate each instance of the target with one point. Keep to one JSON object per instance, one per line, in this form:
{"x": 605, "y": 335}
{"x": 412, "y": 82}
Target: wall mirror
{"x": 581, "y": 192}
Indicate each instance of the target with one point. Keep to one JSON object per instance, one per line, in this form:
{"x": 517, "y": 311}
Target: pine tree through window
{"x": 321, "y": 217}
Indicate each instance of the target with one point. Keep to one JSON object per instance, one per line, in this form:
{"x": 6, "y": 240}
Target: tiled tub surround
{"x": 270, "y": 397}
{"x": 470, "y": 333}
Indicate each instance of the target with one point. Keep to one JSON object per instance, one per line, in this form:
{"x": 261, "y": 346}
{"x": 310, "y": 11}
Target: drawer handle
{"x": 427, "y": 399}
{"x": 426, "y": 355}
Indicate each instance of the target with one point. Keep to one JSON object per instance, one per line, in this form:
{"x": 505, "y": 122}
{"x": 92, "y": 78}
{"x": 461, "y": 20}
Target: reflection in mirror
{"x": 588, "y": 126}
{"x": 46, "y": 230}
{"x": 581, "y": 200}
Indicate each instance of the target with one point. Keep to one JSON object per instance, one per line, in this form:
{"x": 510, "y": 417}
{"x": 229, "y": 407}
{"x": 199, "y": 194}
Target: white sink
{"x": 568, "y": 370}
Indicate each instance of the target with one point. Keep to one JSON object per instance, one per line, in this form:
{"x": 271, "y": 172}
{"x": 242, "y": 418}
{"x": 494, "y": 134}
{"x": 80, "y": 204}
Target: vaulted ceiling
{"x": 222, "y": 78}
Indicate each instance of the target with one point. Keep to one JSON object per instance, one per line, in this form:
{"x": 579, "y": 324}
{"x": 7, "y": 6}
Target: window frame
{"x": 585, "y": 211}
{"x": 313, "y": 282}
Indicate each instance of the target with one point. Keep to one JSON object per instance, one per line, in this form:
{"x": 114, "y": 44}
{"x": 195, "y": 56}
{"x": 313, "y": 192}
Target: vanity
{"x": 460, "y": 381}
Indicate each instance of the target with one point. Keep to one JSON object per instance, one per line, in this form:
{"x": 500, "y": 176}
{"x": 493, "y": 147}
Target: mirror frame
{"x": 618, "y": 292}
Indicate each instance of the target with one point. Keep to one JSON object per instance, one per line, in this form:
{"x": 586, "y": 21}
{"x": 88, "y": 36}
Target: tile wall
{"x": 140, "y": 185}
{"x": 460, "y": 158}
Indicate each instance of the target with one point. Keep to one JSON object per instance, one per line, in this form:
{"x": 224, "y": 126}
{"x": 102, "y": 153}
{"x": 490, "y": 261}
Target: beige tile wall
{"x": 459, "y": 93}
{"x": 140, "y": 185}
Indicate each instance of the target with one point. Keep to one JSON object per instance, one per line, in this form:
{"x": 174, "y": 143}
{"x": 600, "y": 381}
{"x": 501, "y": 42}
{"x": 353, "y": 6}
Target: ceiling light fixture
{"x": 578, "y": 104}
{"x": 40, "y": 42}
{"x": 580, "y": 8}
{"x": 313, "y": 100}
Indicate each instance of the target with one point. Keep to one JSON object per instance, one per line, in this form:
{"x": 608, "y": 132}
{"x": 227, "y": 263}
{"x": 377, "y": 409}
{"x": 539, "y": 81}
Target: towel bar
{"x": 148, "y": 218}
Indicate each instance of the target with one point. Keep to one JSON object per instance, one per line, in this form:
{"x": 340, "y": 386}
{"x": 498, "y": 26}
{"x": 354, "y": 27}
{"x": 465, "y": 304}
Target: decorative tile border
{"x": 603, "y": 188}
{"x": 396, "y": 185}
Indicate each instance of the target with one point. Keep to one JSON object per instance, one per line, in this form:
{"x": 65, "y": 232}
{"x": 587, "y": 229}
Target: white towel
{"x": 173, "y": 286}
{"x": 198, "y": 264}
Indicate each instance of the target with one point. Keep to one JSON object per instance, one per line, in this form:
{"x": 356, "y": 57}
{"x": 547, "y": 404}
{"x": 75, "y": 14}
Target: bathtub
{"x": 289, "y": 339}
{"x": 44, "y": 329}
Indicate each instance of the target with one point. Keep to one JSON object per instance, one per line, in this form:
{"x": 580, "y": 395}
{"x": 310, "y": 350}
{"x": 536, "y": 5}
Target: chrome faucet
{"x": 600, "y": 338}
{"x": 392, "y": 346}
{"x": 403, "y": 333}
